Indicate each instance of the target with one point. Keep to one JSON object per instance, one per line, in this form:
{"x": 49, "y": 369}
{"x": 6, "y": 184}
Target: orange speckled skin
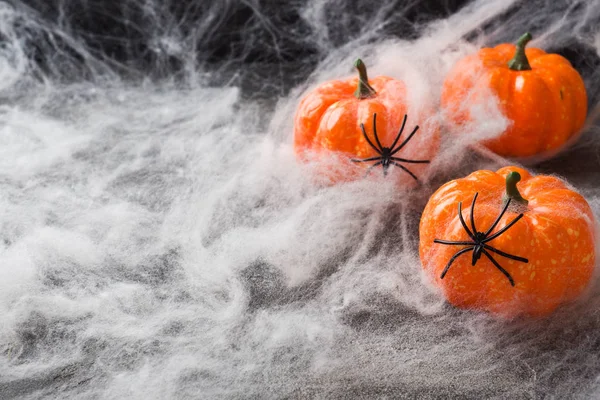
{"x": 546, "y": 105}
{"x": 328, "y": 120}
{"x": 556, "y": 235}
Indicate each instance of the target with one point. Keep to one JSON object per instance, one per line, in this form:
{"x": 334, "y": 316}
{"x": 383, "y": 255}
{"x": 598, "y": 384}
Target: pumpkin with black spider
{"x": 536, "y": 249}
{"x": 346, "y": 124}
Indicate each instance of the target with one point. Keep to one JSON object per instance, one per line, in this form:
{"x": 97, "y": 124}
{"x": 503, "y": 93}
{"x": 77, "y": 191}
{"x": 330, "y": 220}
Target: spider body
{"x": 479, "y": 244}
{"x": 385, "y": 156}
{"x": 478, "y": 249}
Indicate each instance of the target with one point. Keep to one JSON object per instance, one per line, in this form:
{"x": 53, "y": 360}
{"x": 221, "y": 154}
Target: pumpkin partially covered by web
{"x": 510, "y": 250}
{"x": 359, "y": 125}
{"x": 541, "y": 94}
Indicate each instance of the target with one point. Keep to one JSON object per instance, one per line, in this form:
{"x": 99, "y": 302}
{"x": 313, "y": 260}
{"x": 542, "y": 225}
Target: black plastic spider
{"x": 479, "y": 244}
{"x": 386, "y": 154}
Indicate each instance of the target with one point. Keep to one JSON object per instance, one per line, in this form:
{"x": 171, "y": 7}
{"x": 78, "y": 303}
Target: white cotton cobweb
{"x": 159, "y": 239}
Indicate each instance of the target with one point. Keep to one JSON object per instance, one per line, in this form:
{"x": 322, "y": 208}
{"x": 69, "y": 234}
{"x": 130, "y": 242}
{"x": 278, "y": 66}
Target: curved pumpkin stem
{"x": 364, "y": 90}
{"x": 512, "y": 192}
{"x": 520, "y": 61}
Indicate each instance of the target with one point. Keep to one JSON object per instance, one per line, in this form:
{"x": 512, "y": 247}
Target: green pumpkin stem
{"x": 520, "y": 62}
{"x": 364, "y": 90}
{"x": 511, "y": 188}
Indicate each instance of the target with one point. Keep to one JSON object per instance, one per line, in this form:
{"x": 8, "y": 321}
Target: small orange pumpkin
{"x": 506, "y": 254}
{"x": 362, "y": 120}
{"x": 541, "y": 94}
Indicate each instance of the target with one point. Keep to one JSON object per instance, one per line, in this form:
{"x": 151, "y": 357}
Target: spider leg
{"x": 473, "y": 212}
{"x": 406, "y": 140}
{"x": 365, "y": 159}
{"x": 499, "y": 217}
{"x": 372, "y": 166}
{"x": 375, "y": 131}
{"x": 399, "y": 132}
{"x": 362, "y": 126}
{"x": 503, "y": 254}
{"x": 410, "y": 161}
{"x": 451, "y": 243}
{"x": 405, "y": 170}
{"x": 501, "y": 231}
{"x": 445, "y": 271}
{"x": 462, "y": 221}
{"x": 505, "y": 272}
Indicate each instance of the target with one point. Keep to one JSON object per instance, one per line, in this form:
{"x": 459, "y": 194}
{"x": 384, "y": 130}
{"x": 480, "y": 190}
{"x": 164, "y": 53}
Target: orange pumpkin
{"x": 506, "y": 253}
{"x": 361, "y": 120}
{"x": 541, "y": 94}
